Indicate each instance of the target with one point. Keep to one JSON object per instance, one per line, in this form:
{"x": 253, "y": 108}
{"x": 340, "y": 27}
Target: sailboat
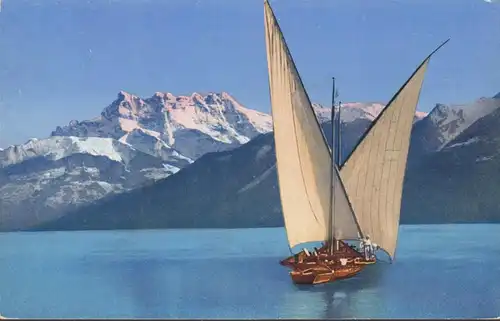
{"x": 323, "y": 199}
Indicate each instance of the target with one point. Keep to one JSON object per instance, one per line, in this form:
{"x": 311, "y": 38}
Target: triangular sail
{"x": 345, "y": 225}
{"x": 302, "y": 155}
{"x": 373, "y": 174}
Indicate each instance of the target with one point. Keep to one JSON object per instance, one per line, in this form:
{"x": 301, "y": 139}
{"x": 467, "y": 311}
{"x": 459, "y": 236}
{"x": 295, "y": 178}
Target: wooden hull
{"x": 320, "y": 275}
{"x": 323, "y": 267}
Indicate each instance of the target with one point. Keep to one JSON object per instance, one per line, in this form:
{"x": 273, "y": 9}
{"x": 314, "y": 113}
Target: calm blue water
{"x": 440, "y": 271}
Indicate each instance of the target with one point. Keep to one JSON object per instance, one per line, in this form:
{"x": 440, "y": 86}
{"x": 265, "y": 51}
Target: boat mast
{"x": 339, "y": 135}
{"x": 339, "y": 153}
{"x": 337, "y": 149}
{"x": 332, "y": 242}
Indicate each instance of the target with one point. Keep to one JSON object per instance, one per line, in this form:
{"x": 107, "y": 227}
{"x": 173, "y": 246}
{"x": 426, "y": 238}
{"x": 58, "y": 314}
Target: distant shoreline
{"x": 214, "y": 228}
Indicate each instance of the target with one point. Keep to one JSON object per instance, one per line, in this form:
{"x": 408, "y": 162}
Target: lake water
{"x": 439, "y": 271}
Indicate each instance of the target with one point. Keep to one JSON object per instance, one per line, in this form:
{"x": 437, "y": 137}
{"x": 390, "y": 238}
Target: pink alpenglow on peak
{"x": 191, "y": 125}
{"x": 420, "y": 114}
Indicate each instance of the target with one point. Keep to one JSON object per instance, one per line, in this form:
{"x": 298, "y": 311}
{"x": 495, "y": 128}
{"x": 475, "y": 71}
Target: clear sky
{"x": 67, "y": 59}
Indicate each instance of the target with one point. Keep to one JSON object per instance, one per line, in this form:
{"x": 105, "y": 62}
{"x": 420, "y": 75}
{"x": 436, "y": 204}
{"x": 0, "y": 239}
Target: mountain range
{"x": 133, "y": 142}
{"x": 207, "y": 161}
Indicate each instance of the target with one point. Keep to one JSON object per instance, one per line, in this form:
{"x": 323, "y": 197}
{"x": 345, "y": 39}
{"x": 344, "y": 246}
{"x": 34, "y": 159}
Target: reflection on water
{"x": 140, "y": 280}
{"x": 344, "y": 300}
{"x": 235, "y": 274}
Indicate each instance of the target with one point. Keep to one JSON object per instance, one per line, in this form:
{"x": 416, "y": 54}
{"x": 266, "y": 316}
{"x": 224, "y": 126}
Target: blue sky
{"x": 67, "y": 59}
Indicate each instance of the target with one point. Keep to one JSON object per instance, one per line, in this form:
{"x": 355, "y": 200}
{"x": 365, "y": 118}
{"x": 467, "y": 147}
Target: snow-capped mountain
{"x": 238, "y": 188}
{"x": 165, "y": 125}
{"x": 459, "y": 183}
{"x": 235, "y": 188}
{"x": 88, "y": 160}
{"x": 42, "y": 179}
{"x": 350, "y": 111}
{"x": 133, "y": 142}
{"x": 481, "y": 136}
{"x": 166, "y": 133}
{"x": 355, "y": 111}
{"x": 446, "y": 122}
{"x": 169, "y": 126}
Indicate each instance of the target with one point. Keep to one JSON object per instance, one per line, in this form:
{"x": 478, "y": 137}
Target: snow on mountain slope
{"x": 451, "y": 120}
{"x": 446, "y": 122}
{"x": 420, "y": 115}
{"x": 134, "y": 142}
{"x": 479, "y": 141}
{"x": 351, "y": 112}
{"x": 191, "y": 125}
{"x": 56, "y": 148}
{"x": 41, "y": 179}
{"x": 179, "y": 122}
{"x": 153, "y": 145}
{"x": 459, "y": 182}
{"x": 239, "y": 189}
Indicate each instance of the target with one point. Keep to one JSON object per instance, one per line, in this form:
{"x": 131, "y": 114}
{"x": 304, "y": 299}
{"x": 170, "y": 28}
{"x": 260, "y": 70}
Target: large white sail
{"x": 373, "y": 174}
{"x": 302, "y": 154}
